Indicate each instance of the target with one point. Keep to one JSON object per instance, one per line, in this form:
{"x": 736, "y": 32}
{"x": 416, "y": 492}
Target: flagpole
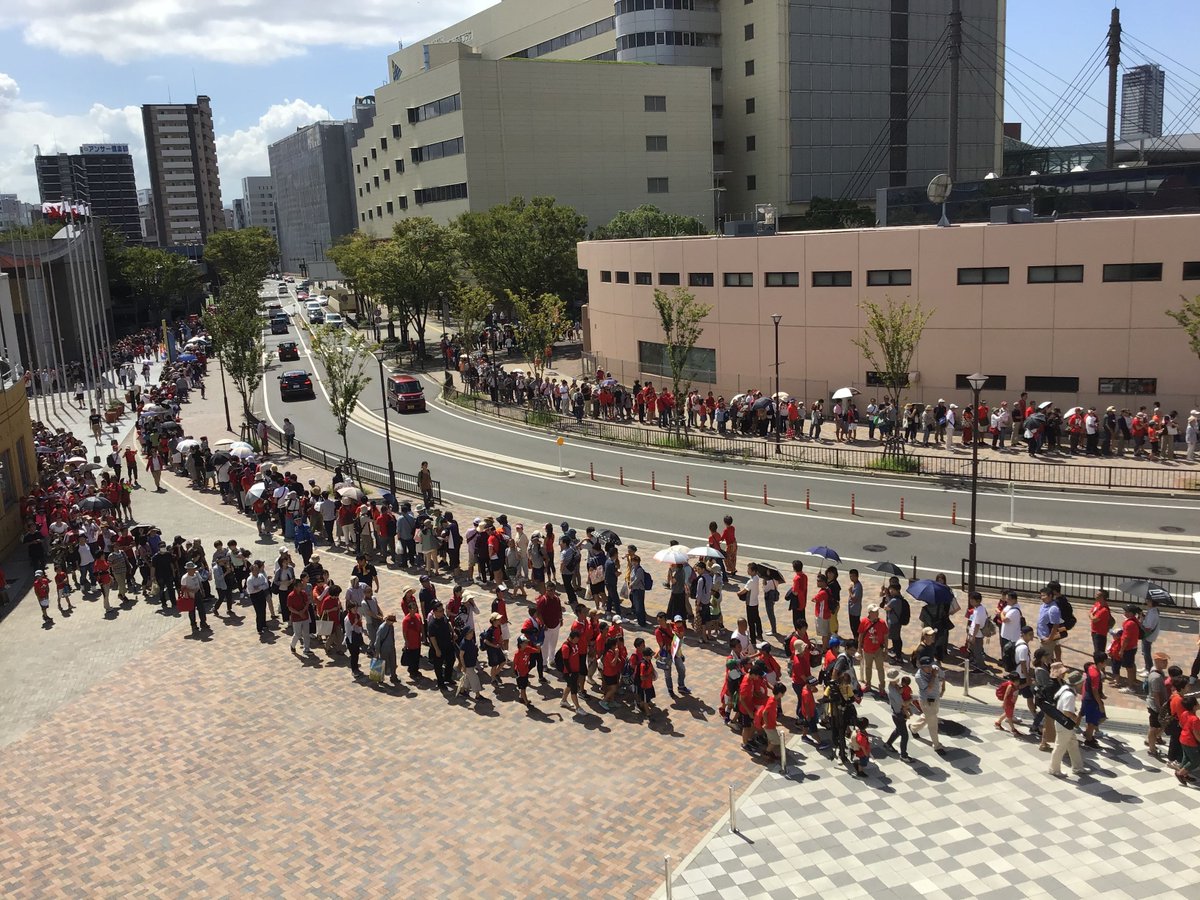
{"x": 29, "y": 327}
{"x": 87, "y": 342}
{"x": 56, "y": 324}
{"x": 98, "y": 293}
{"x": 86, "y": 281}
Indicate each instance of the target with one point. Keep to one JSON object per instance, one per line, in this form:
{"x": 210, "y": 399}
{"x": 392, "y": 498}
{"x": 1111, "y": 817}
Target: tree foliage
{"x": 648, "y": 221}
{"x": 38, "y": 231}
{"x": 164, "y": 281}
{"x": 234, "y": 323}
{"x": 352, "y": 256}
{"x": 1188, "y": 317}
{"x": 247, "y": 255}
{"x": 681, "y": 317}
{"x": 425, "y": 262}
{"x": 825, "y": 214}
{"x": 889, "y": 344}
{"x": 471, "y": 305}
{"x": 541, "y": 320}
{"x": 344, "y": 355}
{"x": 524, "y": 246}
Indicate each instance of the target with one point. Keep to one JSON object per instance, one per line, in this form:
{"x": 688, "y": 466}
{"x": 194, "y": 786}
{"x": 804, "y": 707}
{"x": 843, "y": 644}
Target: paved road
{"x": 775, "y": 531}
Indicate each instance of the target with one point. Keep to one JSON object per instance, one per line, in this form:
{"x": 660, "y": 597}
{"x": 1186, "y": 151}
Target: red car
{"x": 405, "y": 393}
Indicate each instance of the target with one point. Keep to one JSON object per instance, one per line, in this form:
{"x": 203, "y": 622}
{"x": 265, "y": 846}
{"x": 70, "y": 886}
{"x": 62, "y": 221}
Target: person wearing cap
{"x": 492, "y": 641}
{"x": 442, "y": 651}
{"x": 752, "y": 694}
{"x": 873, "y": 634}
{"x": 642, "y": 662}
{"x": 573, "y": 655}
{"x": 297, "y": 609}
{"x": 1191, "y": 434}
{"x": 900, "y": 700}
{"x": 189, "y": 597}
{"x": 41, "y": 590}
{"x": 522, "y": 663}
{"x": 412, "y": 630}
{"x": 468, "y": 663}
{"x": 536, "y": 560}
{"x": 931, "y": 684}
{"x": 1065, "y": 741}
{"x": 1158, "y": 694}
{"x": 534, "y": 632}
{"x": 977, "y": 619}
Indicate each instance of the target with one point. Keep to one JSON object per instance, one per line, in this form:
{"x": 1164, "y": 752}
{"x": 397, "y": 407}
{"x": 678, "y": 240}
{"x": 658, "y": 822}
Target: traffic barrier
{"x": 592, "y": 470}
{"x": 807, "y": 499}
{"x": 622, "y": 471}
{"x": 765, "y": 495}
{"x": 725, "y": 488}
{"x": 901, "y": 509}
{"x": 653, "y": 486}
{"x": 953, "y": 513}
{"x": 852, "y": 512}
{"x": 687, "y": 485}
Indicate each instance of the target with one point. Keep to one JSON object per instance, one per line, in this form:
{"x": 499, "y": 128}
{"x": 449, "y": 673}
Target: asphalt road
{"x": 777, "y": 531}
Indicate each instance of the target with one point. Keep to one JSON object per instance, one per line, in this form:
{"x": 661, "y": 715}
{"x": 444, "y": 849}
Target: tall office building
{"x": 100, "y": 175}
{"x": 145, "y": 199}
{"x": 805, "y": 98}
{"x": 314, "y": 190}
{"x": 258, "y": 204}
{"x": 181, "y": 150}
{"x": 1142, "y": 90}
{"x": 11, "y": 211}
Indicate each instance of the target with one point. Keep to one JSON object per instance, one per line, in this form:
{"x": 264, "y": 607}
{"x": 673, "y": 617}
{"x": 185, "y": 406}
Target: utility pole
{"x": 1114, "y": 63}
{"x": 956, "y": 20}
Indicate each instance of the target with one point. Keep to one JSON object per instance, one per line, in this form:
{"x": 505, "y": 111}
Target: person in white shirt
{"x": 749, "y": 595}
{"x": 1010, "y": 628}
{"x": 258, "y": 587}
{"x": 951, "y": 425}
{"x": 742, "y": 636}
{"x": 1149, "y": 624}
{"x": 976, "y": 622}
{"x": 1065, "y": 741}
{"x": 189, "y": 591}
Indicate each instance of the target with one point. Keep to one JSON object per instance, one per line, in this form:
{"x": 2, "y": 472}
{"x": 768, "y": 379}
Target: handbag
{"x": 623, "y": 592}
{"x": 186, "y": 603}
{"x": 376, "y": 673}
{"x": 324, "y": 627}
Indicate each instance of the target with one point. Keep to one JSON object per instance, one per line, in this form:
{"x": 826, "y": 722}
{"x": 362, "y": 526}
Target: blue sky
{"x": 77, "y": 71}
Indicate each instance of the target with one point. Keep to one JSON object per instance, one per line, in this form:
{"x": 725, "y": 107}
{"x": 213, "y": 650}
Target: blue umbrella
{"x": 824, "y": 552}
{"x": 186, "y": 357}
{"x": 928, "y": 591}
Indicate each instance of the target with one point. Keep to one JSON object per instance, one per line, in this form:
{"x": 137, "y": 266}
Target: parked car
{"x": 296, "y": 383}
{"x": 288, "y": 350}
{"x": 405, "y": 393}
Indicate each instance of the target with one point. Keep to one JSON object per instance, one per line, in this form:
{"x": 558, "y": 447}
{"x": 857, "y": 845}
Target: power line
{"x": 1016, "y": 81}
{"x": 1068, "y": 101}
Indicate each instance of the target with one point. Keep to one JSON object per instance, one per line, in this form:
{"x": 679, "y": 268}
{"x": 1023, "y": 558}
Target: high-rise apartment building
{"x": 314, "y": 190}
{"x": 1142, "y": 90}
{"x": 11, "y": 211}
{"x": 145, "y": 199}
{"x": 181, "y": 150}
{"x": 804, "y": 98}
{"x": 258, "y": 204}
{"x": 100, "y": 175}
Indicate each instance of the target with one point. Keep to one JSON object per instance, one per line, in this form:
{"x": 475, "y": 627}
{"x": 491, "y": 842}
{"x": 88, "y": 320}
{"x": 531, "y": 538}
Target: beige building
{"x": 464, "y": 132}
{"x": 1072, "y": 311}
{"x": 181, "y": 149}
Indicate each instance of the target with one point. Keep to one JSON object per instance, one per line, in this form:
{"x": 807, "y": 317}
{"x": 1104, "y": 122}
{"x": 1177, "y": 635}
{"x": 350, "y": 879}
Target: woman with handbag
{"x": 329, "y": 614}
{"x": 385, "y": 647}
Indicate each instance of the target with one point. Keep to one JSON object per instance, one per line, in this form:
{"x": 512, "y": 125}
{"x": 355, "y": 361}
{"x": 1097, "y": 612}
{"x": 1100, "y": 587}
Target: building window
{"x": 985, "y": 275}
{"x": 782, "y": 279}
{"x": 1133, "y": 272}
{"x": 441, "y": 193}
{"x": 656, "y": 103}
{"x": 750, "y": 143}
{"x": 642, "y": 278}
{"x": 387, "y": 174}
{"x": 718, "y": 148}
{"x": 751, "y": 182}
{"x": 358, "y": 171}
{"x": 402, "y": 200}
{"x": 717, "y": 74}
{"x": 435, "y": 108}
{"x": 389, "y": 207}
{"x": 1191, "y": 271}
{"x": 749, "y": 31}
{"x": 668, "y": 38}
{"x": 591, "y": 30}
{"x": 718, "y": 111}
{"x": 749, "y": 106}
{"x": 399, "y": 166}
{"x": 383, "y": 143}
{"x": 1146, "y": 386}
{"x": 1051, "y": 384}
{"x": 373, "y": 154}
{"x": 668, "y": 279}
{"x": 622, "y": 278}
{"x": 367, "y": 187}
{"x": 888, "y": 277}
{"x": 993, "y": 383}
{"x": 749, "y": 67}
{"x": 371, "y": 214}
{"x": 362, "y": 216}
{"x": 395, "y": 131}
{"x": 832, "y": 279}
{"x": 376, "y": 180}
{"x": 437, "y": 150}
{"x": 739, "y": 279}
{"x": 379, "y": 211}
{"x": 700, "y": 364}
{"x": 656, "y": 143}
{"x": 1055, "y": 274}
{"x": 657, "y": 186}
{"x": 360, "y": 192}
{"x": 875, "y": 379}
{"x": 605, "y": 275}
{"x": 700, "y": 279}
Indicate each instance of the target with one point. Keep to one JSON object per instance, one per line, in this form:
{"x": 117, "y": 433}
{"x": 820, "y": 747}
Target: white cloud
{"x": 26, "y": 125}
{"x": 233, "y": 31}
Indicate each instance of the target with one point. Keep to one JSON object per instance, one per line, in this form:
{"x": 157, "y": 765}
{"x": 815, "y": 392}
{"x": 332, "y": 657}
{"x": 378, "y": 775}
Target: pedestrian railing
{"x": 370, "y": 473}
{"x": 1029, "y": 580}
{"x": 951, "y": 467}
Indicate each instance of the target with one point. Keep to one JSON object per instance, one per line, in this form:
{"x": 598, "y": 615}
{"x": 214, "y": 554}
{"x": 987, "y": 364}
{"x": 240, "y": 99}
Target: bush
{"x": 541, "y": 417}
{"x": 895, "y": 464}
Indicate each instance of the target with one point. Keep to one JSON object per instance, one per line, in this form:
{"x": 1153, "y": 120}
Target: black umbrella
{"x": 773, "y": 574}
{"x": 887, "y": 568}
{"x": 220, "y": 458}
{"x": 93, "y": 504}
{"x": 1146, "y": 590}
{"x": 761, "y": 403}
{"x": 608, "y": 536}
{"x": 1037, "y": 420}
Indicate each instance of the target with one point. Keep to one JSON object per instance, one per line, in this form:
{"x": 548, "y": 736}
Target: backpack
{"x": 989, "y": 628}
{"x": 905, "y": 611}
{"x": 1002, "y": 689}
{"x": 647, "y": 581}
{"x": 692, "y": 582}
{"x": 1048, "y": 693}
{"x": 1068, "y": 614}
{"x": 560, "y": 664}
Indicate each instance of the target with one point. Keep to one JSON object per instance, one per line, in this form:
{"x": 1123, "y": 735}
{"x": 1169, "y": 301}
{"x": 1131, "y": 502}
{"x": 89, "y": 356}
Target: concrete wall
{"x": 1091, "y": 330}
{"x": 18, "y": 468}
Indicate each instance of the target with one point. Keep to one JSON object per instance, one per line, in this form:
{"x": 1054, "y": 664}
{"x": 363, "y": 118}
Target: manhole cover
{"x": 898, "y": 533}
{"x": 1171, "y": 529}
{"x": 874, "y": 548}
{"x": 1161, "y": 570}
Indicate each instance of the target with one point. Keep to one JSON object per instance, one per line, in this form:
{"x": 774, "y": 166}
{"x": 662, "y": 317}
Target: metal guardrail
{"x": 1023, "y": 579}
{"x": 406, "y": 483}
{"x": 803, "y": 453}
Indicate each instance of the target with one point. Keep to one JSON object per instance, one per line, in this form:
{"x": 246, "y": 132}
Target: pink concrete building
{"x": 1073, "y": 310}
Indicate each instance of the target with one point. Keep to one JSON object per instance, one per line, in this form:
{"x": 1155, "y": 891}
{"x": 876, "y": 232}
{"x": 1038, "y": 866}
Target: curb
{"x": 1134, "y": 537}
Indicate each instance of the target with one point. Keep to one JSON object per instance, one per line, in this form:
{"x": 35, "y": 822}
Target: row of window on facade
{"x": 1041, "y": 385}
{"x": 1112, "y": 272}
{"x": 438, "y": 194}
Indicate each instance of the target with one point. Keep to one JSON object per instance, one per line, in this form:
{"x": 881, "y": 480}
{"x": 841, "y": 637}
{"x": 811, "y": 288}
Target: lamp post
{"x": 775, "y": 318}
{"x": 445, "y": 342}
{"x": 976, "y": 381}
{"x": 387, "y": 427}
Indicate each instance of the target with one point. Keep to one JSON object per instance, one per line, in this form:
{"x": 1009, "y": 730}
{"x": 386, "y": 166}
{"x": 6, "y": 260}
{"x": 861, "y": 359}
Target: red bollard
{"x": 688, "y": 485}
{"x": 653, "y": 487}
{"x": 765, "y": 495}
{"x": 725, "y": 488}
{"x": 807, "y": 499}
{"x": 622, "y": 470}
{"x": 592, "y": 470}
{"x": 901, "y": 509}
{"x": 852, "y": 512}
{"x": 953, "y": 513}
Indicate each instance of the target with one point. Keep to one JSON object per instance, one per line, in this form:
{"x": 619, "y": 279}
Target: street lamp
{"x": 976, "y": 381}
{"x": 775, "y": 318}
{"x": 387, "y": 427}
{"x": 445, "y": 342}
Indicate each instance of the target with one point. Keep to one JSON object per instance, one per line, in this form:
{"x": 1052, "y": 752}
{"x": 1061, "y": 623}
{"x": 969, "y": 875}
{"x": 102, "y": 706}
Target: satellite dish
{"x": 939, "y": 189}
{"x": 938, "y": 192}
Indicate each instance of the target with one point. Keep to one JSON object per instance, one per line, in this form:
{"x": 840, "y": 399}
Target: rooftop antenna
{"x": 195, "y": 89}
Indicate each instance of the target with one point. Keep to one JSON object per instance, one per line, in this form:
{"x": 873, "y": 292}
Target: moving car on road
{"x": 296, "y": 383}
{"x": 404, "y": 393}
{"x": 334, "y": 320}
{"x": 288, "y": 350}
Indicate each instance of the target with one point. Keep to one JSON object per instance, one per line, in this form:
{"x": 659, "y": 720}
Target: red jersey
{"x": 729, "y": 536}
{"x": 1131, "y": 633}
{"x": 500, "y": 606}
{"x": 60, "y": 580}
{"x": 768, "y": 714}
{"x": 41, "y": 587}
{"x": 663, "y": 635}
{"x": 808, "y": 703}
{"x": 613, "y": 663}
{"x": 645, "y": 670}
{"x": 410, "y": 628}
{"x": 1104, "y": 618}
{"x": 572, "y": 655}
{"x": 101, "y": 568}
{"x": 752, "y": 694}
{"x": 800, "y": 589}
{"x": 821, "y": 604}
{"x": 523, "y": 659}
{"x": 771, "y": 663}
{"x": 872, "y": 635}
{"x": 297, "y": 603}
{"x": 801, "y": 663}
{"x": 862, "y": 745}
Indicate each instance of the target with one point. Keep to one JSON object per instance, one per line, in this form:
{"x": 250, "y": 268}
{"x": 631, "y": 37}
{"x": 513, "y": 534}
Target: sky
{"x": 78, "y": 71}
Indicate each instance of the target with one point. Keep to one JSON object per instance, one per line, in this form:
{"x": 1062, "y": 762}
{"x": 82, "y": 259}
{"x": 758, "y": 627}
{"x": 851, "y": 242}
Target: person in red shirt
{"x": 766, "y": 720}
{"x": 862, "y": 748}
{"x": 798, "y": 601}
{"x": 1189, "y": 738}
{"x": 1102, "y": 621}
{"x": 412, "y": 630}
{"x": 872, "y": 637}
{"x": 62, "y": 588}
{"x": 611, "y": 666}
{"x": 41, "y": 590}
{"x": 801, "y": 658}
{"x": 297, "y": 604}
{"x": 522, "y": 663}
{"x": 752, "y": 694}
{"x": 729, "y": 539}
{"x": 643, "y": 672}
{"x": 573, "y": 655}
{"x": 806, "y": 712}
{"x": 500, "y": 605}
{"x": 821, "y": 611}
{"x": 774, "y": 672}
{"x": 1131, "y": 633}
{"x": 103, "y": 573}
{"x": 131, "y": 464}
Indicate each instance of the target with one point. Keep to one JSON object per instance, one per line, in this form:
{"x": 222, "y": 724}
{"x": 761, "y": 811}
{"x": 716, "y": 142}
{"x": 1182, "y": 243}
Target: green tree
{"x": 889, "y": 344}
{"x": 540, "y": 322}
{"x": 38, "y": 231}
{"x": 352, "y": 256}
{"x": 471, "y": 305}
{"x": 343, "y": 355}
{"x": 234, "y": 322}
{"x": 681, "y": 317}
{"x": 648, "y": 221}
{"x": 426, "y": 265}
{"x": 1188, "y": 317}
{"x": 524, "y": 246}
{"x": 164, "y": 282}
{"x": 246, "y": 255}
{"x": 825, "y": 214}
